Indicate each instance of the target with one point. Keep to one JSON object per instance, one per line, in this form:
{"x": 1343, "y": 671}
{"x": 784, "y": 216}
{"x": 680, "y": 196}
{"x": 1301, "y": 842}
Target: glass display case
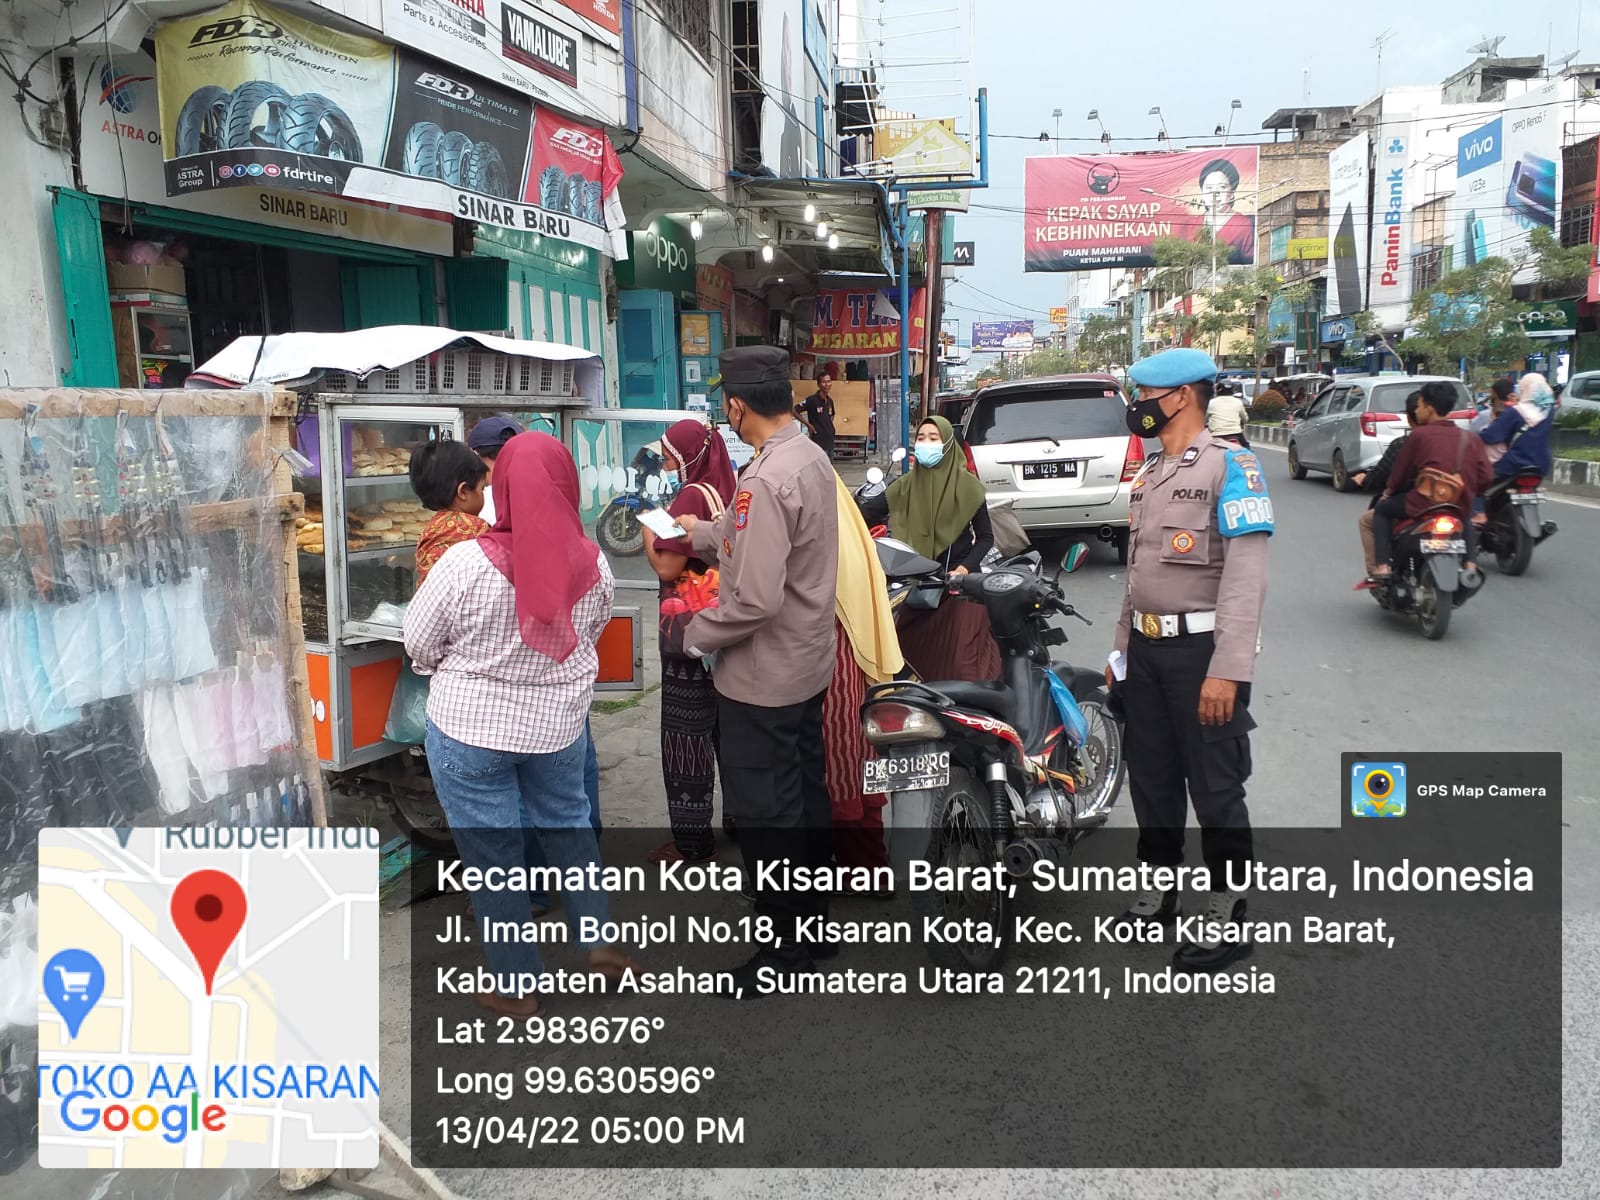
{"x": 154, "y": 345}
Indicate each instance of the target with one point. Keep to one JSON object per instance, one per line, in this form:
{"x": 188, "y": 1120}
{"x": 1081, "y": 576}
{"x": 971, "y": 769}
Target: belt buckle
{"x": 1150, "y": 625}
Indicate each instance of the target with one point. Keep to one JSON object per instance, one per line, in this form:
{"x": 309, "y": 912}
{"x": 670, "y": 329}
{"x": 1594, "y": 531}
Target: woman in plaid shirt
{"x": 507, "y": 627}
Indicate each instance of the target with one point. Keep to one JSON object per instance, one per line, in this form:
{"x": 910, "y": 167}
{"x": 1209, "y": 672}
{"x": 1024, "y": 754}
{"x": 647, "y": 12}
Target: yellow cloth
{"x": 862, "y": 601}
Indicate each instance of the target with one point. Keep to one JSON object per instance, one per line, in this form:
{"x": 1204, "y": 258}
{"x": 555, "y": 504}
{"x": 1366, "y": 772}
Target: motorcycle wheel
{"x": 1102, "y": 755}
{"x": 1514, "y": 548}
{"x": 960, "y": 835}
{"x": 1433, "y": 611}
{"x": 619, "y": 533}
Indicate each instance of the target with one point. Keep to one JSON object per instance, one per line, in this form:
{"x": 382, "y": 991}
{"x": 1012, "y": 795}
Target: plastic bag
{"x": 408, "y": 711}
{"x": 1077, "y": 725}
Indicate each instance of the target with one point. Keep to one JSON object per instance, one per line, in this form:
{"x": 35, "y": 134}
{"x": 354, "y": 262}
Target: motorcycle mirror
{"x": 874, "y": 475}
{"x": 899, "y": 454}
{"x": 1077, "y": 554}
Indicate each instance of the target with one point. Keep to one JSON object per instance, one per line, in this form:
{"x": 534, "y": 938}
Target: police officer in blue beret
{"x": 1186, "y": 641}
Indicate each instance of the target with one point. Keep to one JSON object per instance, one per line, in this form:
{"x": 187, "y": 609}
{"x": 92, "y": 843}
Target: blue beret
{"x": 1173, "y": 368}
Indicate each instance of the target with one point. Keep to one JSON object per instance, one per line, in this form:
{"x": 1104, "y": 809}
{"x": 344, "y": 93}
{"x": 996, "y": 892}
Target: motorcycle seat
{"x": 994, "y": 698}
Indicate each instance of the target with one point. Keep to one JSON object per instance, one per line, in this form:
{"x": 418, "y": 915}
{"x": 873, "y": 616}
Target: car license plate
{"x": 1444, "y": 546}
{"x": 906, "y": 772}
{"x": 1050, "y": 470}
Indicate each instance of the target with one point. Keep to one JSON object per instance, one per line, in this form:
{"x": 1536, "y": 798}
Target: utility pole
{"x": 933, "y": 244}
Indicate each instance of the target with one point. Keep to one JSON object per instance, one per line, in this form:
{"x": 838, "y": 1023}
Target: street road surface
{"x": 1336, "y": 674}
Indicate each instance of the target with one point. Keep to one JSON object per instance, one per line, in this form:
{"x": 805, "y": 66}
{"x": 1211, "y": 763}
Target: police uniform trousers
{"x": 775, "y": 787}
{"x": 1169, "y": 752}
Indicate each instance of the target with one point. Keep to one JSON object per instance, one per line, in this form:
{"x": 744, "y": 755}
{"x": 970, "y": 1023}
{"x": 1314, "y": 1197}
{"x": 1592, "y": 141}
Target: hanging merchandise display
{"x": 256, "y": 96}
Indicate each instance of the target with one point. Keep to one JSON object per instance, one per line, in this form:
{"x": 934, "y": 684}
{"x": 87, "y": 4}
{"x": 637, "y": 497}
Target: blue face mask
{"x": 669, "y": 480}
{"x": 928, "y": 454}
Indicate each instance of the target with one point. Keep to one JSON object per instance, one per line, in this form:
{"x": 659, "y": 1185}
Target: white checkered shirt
{"x": 488, "y": 688}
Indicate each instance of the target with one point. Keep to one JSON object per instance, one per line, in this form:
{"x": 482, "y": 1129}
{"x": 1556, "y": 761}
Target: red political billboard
{"x": 1086, "y": 211}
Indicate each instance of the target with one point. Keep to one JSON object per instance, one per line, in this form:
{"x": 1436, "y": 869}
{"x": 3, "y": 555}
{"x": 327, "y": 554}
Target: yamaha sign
{"x": 660, "y": 258}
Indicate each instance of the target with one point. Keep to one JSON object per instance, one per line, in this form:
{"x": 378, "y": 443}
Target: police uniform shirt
{"x": 1197, "y": 542}
{"x": 777, "y": 552}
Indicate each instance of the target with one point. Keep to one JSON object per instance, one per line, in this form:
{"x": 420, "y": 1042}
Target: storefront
{"x": 467, "y": 206}
{"x": 667, "y": 343}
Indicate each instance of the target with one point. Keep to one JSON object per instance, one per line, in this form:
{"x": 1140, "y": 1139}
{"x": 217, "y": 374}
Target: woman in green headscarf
{"x": 939, "y": 510}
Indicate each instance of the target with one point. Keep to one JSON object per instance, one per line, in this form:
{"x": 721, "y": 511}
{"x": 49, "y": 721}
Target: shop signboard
{"x": 713, "y": 287}
{"x": 1349, "y": 222}
{"x": 1334, "y": 330}
{"x": 1060, "y": 316}
{"x": 1086, "y": 211}
{"x": 816, "y": 39}
{"x": 949, "y": 199}
{"x": 863, "y": 322}
{"x": 1002, "y": 335}
{"x": 120, "y": 156}
{"x": 1389, "y": 279}
{"x": 1307, "y": 248}
{"x": 919, "y": 148}
{"x": 660, "y": 258}
{"x": 256, "y": 96}
{"x": 516, "y": 43}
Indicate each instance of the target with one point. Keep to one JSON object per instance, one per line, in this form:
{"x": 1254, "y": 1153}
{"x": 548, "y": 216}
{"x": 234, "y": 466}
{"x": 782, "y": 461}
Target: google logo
{"x": 176, "y": 1121}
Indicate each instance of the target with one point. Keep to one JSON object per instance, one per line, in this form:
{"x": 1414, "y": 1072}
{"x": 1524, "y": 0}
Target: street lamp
{"x": 1105, "y": 134}
{"x": 1156, "y": 112}
{"x": 1056, "y": 113}
{"x": 1228, "y": 132}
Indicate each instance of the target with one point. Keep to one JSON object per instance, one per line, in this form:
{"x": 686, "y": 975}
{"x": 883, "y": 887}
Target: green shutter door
{"x": 380, "y": 294}
{"x": 478, "y": 291}
{"x": 88, "y": 296}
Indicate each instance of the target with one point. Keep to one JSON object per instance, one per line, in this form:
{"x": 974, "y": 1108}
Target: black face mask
{"x": 1145, "y": 418}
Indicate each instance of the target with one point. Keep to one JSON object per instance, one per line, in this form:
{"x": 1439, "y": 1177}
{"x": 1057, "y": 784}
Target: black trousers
{"x": 1172, "y": 758}
{"x": 775, "y": 787}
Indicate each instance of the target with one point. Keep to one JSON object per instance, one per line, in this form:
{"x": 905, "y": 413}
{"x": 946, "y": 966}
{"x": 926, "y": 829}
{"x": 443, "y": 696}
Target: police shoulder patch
{"x": 1243, "y": 505}
{"x": 741, "y": 510}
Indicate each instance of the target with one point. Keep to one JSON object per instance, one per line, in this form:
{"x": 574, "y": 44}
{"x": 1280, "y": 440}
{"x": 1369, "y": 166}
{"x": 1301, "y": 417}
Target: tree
{"x": 1562, "y": 268}
{"x": 1047, "y": 362}
{"x": 990, "y": 374}
{"x": 1104, "y": 343}
{"x": 1469, "y": 318}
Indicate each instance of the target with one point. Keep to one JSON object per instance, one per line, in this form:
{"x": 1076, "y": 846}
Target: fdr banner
{"x": 863, "y": 322}
{"x": 1084, "y": 212}
{"x": 252, "y": 95}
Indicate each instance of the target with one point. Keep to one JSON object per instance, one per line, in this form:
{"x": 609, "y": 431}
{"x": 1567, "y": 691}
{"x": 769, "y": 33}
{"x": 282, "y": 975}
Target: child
{"x": 448, "y": 478}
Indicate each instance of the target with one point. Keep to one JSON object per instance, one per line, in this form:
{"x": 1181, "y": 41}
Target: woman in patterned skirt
{"x": 866, "y": 651}
{"x": 688, "y": 700}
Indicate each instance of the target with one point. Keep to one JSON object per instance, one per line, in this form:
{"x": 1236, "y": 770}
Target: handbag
{"x": 1443, "y": 487}
{"x": 692, "y": 592}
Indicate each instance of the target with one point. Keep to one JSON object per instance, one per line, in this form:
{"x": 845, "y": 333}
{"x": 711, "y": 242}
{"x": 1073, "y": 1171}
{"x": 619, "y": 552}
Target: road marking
{"x": 1553, "y": 497}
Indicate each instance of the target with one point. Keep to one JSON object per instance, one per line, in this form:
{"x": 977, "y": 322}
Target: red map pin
{"x": 208, "y": 907}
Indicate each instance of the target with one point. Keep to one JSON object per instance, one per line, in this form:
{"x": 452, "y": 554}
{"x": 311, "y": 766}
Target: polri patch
{"x": 741, "y": 510}
{"x": 1183, "y": 541}
{"x": 1189, "y": 455}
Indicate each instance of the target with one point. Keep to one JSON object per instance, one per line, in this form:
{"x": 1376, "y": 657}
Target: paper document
{"x": 659, "y": 522}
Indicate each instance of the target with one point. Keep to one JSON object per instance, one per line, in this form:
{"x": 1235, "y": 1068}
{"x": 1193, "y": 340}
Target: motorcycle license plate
{"x": 906, "y": 772}
{"x": 1529, "y": 498}
{"x": 1050, "y": 470}
{"x": 1444, "y": 546}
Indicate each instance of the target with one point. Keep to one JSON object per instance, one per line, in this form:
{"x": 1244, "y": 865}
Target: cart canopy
{"x": 288, "y": 358}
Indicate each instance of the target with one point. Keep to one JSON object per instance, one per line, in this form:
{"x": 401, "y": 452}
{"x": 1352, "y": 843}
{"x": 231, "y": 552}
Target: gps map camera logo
{"x": 1378, "y": 789}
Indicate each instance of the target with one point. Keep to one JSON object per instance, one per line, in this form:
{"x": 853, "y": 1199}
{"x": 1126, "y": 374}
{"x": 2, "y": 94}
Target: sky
{"x": 1191, "y": 60}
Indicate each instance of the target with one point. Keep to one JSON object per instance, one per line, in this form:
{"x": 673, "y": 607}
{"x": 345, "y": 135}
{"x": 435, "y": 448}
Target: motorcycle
{"x": 1012, "y": 771}
{"x": 1513, "y": 527}
{"x": 1426, "y": 576}
{"x": 617, "y": 529}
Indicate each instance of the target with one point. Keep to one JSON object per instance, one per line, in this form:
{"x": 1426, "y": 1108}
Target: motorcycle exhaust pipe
{"x": 1105, "y": 533}
{"x": 1020, "y": 855}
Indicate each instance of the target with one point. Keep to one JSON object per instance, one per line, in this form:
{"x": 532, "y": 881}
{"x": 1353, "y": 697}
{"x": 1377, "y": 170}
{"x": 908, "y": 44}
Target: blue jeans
{"x": 493, "y": 800}
{"x": 591, "y": 785}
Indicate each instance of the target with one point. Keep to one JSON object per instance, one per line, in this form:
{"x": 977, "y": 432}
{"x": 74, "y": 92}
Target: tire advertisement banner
{"x": 255, "y": 96}
{"x": 1083, "y": 212}
{"x": 518, "y": 44}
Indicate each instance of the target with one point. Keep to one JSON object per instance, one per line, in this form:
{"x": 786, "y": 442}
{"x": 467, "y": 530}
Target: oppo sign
{"x": 660, "y": 257}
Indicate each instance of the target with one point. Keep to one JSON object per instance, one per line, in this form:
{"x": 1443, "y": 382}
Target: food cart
{"x": 365, "y": 398}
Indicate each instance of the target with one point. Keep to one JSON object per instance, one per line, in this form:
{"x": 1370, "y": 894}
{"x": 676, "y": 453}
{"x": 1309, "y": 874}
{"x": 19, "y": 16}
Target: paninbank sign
{"x": 1391, "y": 270}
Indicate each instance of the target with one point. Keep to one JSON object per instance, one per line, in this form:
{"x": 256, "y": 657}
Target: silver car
{"x": 1059, "y": 449}
{"x": 1346, "y": 428}
{"x": 1582, "y": 394}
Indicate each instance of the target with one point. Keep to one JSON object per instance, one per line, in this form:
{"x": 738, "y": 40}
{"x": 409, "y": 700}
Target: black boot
{"x": 1220, "y": 940}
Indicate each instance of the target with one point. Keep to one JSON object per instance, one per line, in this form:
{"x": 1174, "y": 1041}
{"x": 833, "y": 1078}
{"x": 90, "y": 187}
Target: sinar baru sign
{"x": 252, "y": 95}
{"x": 1083, "y": 212}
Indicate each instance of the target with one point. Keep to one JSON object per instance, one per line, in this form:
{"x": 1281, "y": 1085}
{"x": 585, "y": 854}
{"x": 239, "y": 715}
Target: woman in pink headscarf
{"x": 507, "y": 625}
{"x": 688, "y": 701}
